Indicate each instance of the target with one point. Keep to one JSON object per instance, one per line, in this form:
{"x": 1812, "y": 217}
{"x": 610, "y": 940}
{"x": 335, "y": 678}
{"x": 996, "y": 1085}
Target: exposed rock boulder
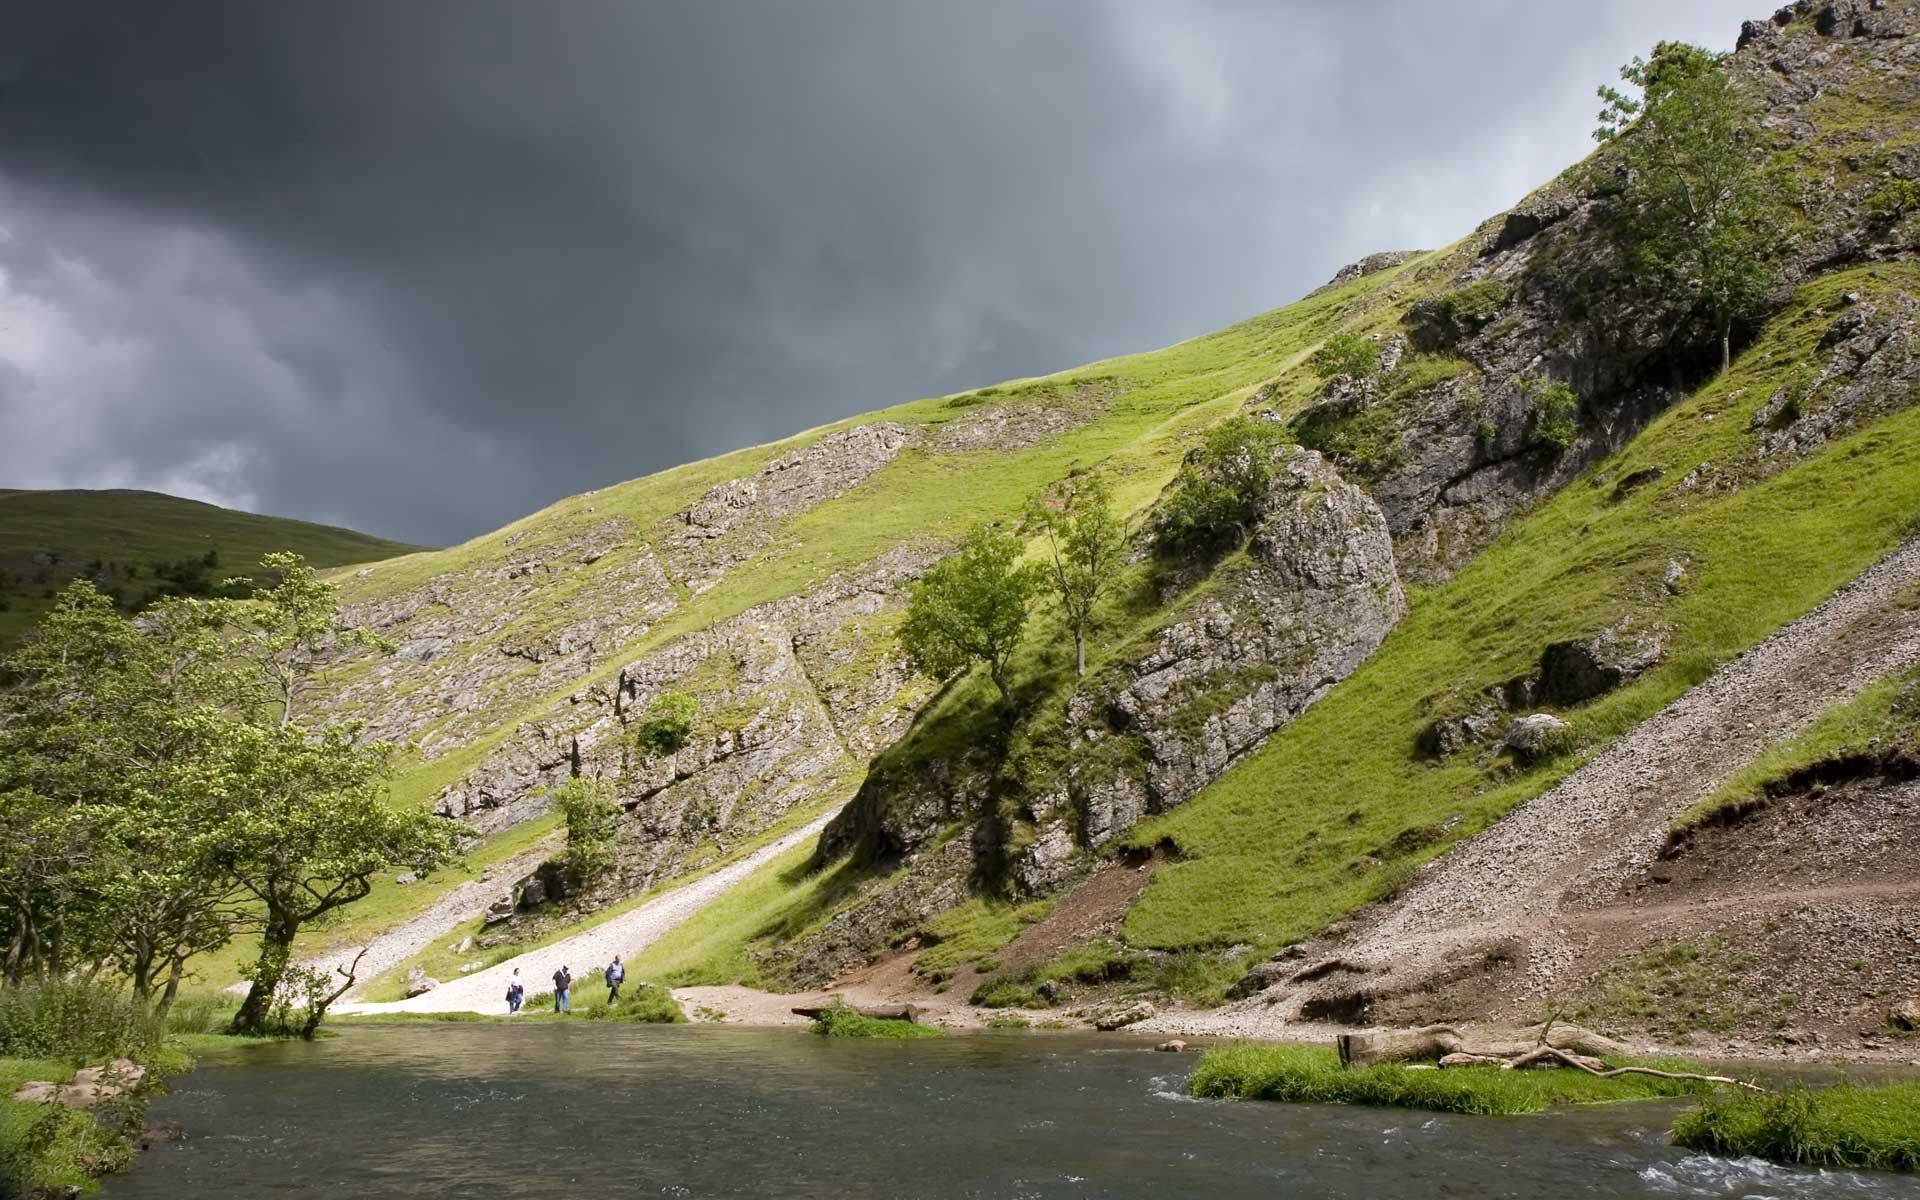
{"x": 419, "y": 983}
{"x": 1123, "y": 1015}
{"x": 1576, "y": 671}
{"x": 1537, "y": 736}
{"x": 1373, "y": 263}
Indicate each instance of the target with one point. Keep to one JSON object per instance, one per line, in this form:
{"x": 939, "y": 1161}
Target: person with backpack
{"x": 562, "y": 980}
{"x": 616, "y": 975}
{"x": 516, "y": 992}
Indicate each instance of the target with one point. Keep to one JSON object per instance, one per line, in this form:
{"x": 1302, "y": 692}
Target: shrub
{"x": 842, "y": 1022}
{"x": 1368, "y": 440}
{"x": 669, "y": 724}
{"x": 1894, "y": 199}
{"x": 1219, "y": 490}
{"x": 1347, "y": 354}
{"x": 75, "y": 1021}
{"x": 644, "y": 1004}
{"x": 1556, "y": 412}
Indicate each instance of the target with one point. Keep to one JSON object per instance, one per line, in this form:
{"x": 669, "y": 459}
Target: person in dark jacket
{"x": 562, "y": 980}
{"x": 616, "y": 975}
{"x": 516, "y": 992}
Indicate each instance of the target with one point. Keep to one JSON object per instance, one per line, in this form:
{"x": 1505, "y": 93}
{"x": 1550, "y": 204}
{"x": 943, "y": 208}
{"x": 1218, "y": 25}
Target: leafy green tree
{"x": 971, "y": 607}
{"x": 669, "y": 724}
{"x": 1087, "y": 544}
{"x": 105, "y": 738}
{"x": 592, "y": 816}
{"x": 308, "y": 827}
{"x": 283, "y": 633}
{"x": 1694, "y": 202}
{"x": 1216, "y": 496}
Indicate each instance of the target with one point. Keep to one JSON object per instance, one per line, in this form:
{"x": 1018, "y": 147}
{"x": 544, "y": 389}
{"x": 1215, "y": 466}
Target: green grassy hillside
{"x": 141, "y": 544}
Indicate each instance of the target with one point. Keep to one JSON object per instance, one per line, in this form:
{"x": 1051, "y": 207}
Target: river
{"x": 594, "y": 1110}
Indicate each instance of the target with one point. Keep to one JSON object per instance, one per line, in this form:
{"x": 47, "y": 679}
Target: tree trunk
{"x": 1726, "y": 345}
{"x": 1080, "y": 651}
{"x": 276, "y": 951}
{"x": 172, "y": 991}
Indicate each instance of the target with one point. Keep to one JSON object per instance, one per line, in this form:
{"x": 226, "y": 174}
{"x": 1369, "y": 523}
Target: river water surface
{"x": 593, "y": 1110}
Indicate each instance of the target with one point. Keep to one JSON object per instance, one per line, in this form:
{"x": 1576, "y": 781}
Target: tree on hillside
{"x": 971, "y": 607}
{"x": 592, "y": 816}
{"x": 105, "y": 740}
{"x": 282, "y": 633}
{"x": 1086, "y": 544}
{"x": 1216, "y": 497}
{"x": 1694, "y": 205}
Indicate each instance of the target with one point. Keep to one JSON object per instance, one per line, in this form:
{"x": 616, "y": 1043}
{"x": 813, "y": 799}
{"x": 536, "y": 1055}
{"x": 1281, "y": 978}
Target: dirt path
{"x": 466, "y": 902}
{"x": 1521, "y": 883}
{"x": 588, "y": 950}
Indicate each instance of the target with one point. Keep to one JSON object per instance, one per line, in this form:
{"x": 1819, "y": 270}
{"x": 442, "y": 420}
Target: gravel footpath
{"x": 625, "y": 935}
{"x": 1574, "y": 845}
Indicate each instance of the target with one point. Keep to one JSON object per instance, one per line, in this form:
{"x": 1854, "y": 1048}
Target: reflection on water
{"x": 599, "y": 1111}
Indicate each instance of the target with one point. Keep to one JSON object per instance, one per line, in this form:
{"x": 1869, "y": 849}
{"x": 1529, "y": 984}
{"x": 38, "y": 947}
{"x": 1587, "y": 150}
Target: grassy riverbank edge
{"x": 1313, "y": 1075}
{"x": 47, "y": 1149}
{"x": 1845, "y": 1126}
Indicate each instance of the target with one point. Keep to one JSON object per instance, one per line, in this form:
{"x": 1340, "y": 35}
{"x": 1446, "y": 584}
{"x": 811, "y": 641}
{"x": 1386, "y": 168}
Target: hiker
{"x": 516, "y": 992}
{"x": 562, "y": 980}
{"x": 616, "y": 975}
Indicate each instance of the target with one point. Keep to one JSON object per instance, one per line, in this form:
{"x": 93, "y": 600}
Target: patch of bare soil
{"x": 1794, "y": 929}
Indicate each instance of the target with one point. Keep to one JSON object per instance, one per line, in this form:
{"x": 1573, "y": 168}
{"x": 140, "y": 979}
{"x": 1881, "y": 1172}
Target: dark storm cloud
{"x": 421, "y": 267}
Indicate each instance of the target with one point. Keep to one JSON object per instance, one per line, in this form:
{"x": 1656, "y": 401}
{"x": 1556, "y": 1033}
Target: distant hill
{"x": 139, "y": 545}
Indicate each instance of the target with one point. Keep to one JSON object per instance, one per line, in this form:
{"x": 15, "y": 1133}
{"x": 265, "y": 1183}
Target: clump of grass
{"x": 1849, "y": 1126}
{"x": 78, "y": 1022}
{"x": 644, "y": 1004}
{"x": 1681, "y": 988}
{"x": 1313, "y": 1075}
{"x": 846, "y": 1023}
{"x": 971, "y": 931}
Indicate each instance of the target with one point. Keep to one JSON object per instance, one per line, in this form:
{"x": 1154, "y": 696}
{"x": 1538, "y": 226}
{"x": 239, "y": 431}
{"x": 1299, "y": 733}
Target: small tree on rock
{"x": 971, "y": 607}
{"x": 669, "y": 724}
{"x": 592, "y": 817}
{"x": 1086, "y": 544}
{"x": 1694, "y": 204}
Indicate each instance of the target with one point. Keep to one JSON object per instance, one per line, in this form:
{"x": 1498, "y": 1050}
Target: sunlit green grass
{"x": 1313, "y": 1075}
{"x": 1847, "y": 1126}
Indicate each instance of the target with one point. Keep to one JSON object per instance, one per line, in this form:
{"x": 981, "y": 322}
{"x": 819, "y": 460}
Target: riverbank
{"x": 56, "y": 1145}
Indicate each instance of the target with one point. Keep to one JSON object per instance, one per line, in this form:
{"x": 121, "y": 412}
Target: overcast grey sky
{"x": 422, "y": 266}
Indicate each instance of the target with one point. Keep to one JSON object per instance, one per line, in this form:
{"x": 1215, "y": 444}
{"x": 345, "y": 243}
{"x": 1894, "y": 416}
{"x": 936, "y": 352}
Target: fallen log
{"x": 1430, "y": 1043}
{"x": 883, "y": 1012}
{"x": 1584, "y": 1064}
{"x": 1551, "y": 1045}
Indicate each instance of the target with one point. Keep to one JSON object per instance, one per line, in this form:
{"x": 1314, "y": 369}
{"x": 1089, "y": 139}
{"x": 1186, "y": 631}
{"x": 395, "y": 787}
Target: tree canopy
{"x": 971, "y": 607}
{"x": 1694, "y": 206}
{"x": 1086, "y": 544}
